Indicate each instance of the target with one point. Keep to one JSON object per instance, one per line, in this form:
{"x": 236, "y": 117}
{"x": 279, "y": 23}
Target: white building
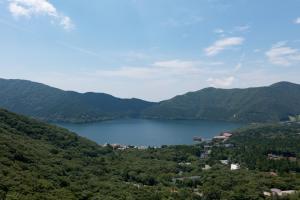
{"x": 235, "y": 166}
{"x": 224, "y": 162}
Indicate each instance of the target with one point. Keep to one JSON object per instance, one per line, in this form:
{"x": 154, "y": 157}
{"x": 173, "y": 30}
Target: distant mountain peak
{"x": 284, "y": 84}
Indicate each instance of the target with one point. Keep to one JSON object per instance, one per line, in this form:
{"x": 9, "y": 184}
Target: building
{"x": 226, "y": 134}
{"x": 273, "y": 174}
{"x": 228, "y": 145}
{"x": 224, "y": 162}
{"x": 206, "y": 167}
{"x": 185, "y": 163}
{"x": 220, "y": 137}
{"x": 278, "y": 192}
{"x": 267, "y": 194}
{"x": 235, "y": 166}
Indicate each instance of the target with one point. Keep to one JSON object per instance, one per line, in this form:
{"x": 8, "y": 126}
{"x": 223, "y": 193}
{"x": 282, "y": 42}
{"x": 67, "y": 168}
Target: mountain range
{"x": 51, "y": 104}
{"x": 259, "y": 104}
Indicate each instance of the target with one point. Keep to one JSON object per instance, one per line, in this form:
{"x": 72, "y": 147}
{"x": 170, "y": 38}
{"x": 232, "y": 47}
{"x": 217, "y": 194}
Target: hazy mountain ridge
{"x": 52, "y": 104}
{"x": 257, "y": 104}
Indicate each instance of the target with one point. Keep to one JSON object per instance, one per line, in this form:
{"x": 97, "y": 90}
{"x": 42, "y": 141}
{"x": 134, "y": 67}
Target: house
{"x": 207, "y": 147}
{"x": 220, "y": 137}
{"x": 273, "y": 174}
{"x": 288, "y": 192}
{"x": 274, "y": 157}
{"x": 228, "y": 145}
{"x": 224, "y": 162}
{"x": 184, "y": 163}
{"x": 206, "y": 167}
{"x": 203, "y": 155}
{"x": 226, "y": 134}
{"x": 292, "y": 159}
{"x": 192, "y": 178}
{"x": 267, "y": 194}
{"x": 142, "y": 147}
{"x": 279, "y": 157}
{"x": 235, "y": 166}
{"x": 278, "y": 192}
{"x": 198, "y": 193}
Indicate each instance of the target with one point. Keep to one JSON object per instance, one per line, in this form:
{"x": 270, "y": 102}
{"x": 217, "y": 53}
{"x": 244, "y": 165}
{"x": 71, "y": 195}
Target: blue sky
{"x": 150, "y": 49}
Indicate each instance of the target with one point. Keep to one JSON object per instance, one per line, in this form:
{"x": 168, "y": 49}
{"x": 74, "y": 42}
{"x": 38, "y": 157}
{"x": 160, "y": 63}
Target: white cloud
{"x": 221, "y": 82}
{"x": 223, "y": 44}
{"x": 241, "y": 28}
{"x": 281, "y": 54}
{"x": 238, "y": 66}
{"x": 168, "y": 69}
{"x": 235, "y": 30}
{"x": 28, "y": 8}
{"x": 297, "y": 21}
{"x": 219, "y": 31}
{"x": 179, "y": 64}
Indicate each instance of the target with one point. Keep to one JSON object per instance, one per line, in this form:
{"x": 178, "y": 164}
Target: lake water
{"x": 149, "y": 132}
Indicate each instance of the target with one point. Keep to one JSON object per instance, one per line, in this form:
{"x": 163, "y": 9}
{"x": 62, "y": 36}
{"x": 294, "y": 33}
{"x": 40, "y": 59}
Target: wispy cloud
{"x": 241, "y": 29}
{"x": 239, "y": 65}
{"x": 281, "y": 54}
{"x": 221, "y": 82}
{"x": 223, "y": 44}
{"x": 235, "y": 30}
{"x": 297, "y": 21}
{"x": 29, "y": 8}
{"x": 178, "y": 64}
{"x": 219, "y": 31}
{"x": 165, "y": 69}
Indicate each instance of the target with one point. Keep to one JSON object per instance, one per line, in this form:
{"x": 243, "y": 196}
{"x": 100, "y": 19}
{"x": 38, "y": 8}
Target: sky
{"x": 150, "y": 49}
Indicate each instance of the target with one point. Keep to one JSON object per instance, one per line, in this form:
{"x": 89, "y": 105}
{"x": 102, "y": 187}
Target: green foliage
{"x": 253, "y": 145}
{"x": 51, "y": 104}
{"x": 40, "y": 161}
{"x": 277, "y": 102}
{"x": 261, "y": 104}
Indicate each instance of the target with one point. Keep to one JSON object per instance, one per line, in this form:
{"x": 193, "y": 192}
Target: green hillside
{"x": 51, "y": 104}
{"x": 277, "y": 102}
{"x": 44, "y": 162}
{"x": 261, "y": 104}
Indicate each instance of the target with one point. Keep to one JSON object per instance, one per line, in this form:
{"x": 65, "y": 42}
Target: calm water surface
{"x": 149, "y": 132}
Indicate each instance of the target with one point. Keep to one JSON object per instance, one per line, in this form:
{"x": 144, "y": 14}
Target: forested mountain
{"x": 260, "y": 104}
{"x": 40, "y": 161}
{"x": 52, "y": 104}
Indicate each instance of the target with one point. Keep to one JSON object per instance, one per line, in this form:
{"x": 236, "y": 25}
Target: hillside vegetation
{"x": 280, "y": 101}
{"x": 261, "y": 104}
{"x": 52, "y": 104}
{"x": 40, "y": 161}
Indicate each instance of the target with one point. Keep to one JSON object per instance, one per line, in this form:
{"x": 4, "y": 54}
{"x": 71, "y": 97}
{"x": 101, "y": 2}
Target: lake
{"x": 149, "y": 132}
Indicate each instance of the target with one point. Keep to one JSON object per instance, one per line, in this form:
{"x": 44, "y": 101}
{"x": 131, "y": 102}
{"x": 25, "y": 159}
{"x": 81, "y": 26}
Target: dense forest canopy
{"x": 41, "y": 161}
{"x": 52, "y": 104}
{"x": 261, "y": 104}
